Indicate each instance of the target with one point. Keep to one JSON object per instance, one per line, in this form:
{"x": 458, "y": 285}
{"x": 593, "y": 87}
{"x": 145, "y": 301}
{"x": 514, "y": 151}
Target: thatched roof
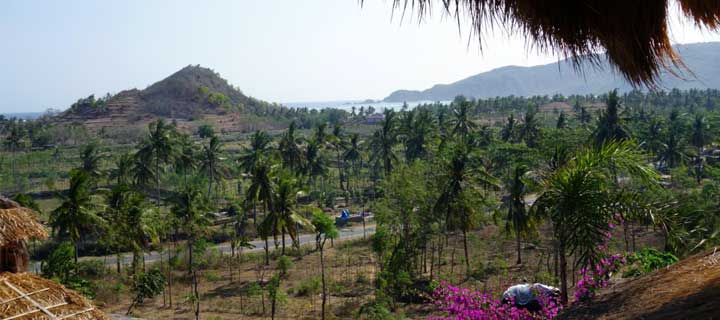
{"x": 25, "y": 296}
{"x": 18, "y": 223}
{"x": 633, "y": 33}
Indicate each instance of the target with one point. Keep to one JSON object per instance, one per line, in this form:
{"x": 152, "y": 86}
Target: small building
{"x": 25, "y": 296}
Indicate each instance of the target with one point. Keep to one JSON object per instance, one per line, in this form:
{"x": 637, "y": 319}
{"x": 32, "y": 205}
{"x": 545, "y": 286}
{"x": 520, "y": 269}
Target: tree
{"x": 417, "y": 135}
{"x": 324, "y": 229}
{"x": 584, "y": 116}
{"x": 122, "y": 173}
{"x": 315, "y": 164}
{"x": 383, "y": 141}
{"x": 91, "y": 158}
{"x": 610, "y": 124}
{"x": 518, "y": 220}
{"x": 156, "y": 150}
{"x": 461, "y": 172}
{"x": 508, "y": 131}
{"x": 530, "y": 128}
{"x": 283, "y": 213}
{"x": 259, "y": 148}
{"x": 289, "y": 149}
{"x": 146, "y": 285}
{"x": 77, "y": 212}
{"x": 352, "y": 154}
{"x": 190, "y": 207}
{"x": 338, "y": 143}
{"x": 211, "y": 162}
{"x": 561, "y": 121}
{"x": 15, "y": 142}
{"x": 578, "y": 200}
{"x": 462, "y": 125}
{"x": 205, "y": 131}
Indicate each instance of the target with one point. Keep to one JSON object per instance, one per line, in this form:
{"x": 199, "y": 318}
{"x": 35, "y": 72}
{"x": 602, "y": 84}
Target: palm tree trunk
{"x": 267, "y": 252}
{"x": 190, "y": 256}
{"x": 563, "y": 274}
{"x": 467, "y": 256}
{"x": 518, "y": 247}
{"x": 322, "y": 277}
{"x": 283, "y": 242}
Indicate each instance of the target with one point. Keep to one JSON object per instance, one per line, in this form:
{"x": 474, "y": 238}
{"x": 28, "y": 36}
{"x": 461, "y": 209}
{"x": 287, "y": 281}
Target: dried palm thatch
{"x": 633, "y": 33}
{"x": 25, "y": 296}
{"x": 18, "y": 223}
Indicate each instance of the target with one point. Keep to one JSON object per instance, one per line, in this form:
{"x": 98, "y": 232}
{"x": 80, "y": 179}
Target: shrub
{"x": 283, "y": 265}
{"x": 307, "y": 287}
{"x": 648, "y": 260}
{"x": 91, "y": 268}
{"x": 147, "y": 285}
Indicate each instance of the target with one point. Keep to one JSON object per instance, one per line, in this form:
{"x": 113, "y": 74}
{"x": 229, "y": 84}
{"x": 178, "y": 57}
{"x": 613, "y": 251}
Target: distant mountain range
{"x": 560, "y": 77}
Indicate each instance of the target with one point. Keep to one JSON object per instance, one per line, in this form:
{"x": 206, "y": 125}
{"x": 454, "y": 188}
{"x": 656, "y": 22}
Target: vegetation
{"x": 457, "y": 192}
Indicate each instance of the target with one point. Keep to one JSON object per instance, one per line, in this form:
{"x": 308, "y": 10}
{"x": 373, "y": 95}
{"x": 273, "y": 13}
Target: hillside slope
{"x": 561, "y": 78}
{"x": 190, "y": 93}
{"x": 690, "y": 289}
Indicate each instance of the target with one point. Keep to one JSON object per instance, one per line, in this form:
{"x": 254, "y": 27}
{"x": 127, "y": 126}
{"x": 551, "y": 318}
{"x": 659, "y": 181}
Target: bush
{"x": 307, "y": 287}
{"x": 94, "y": 268}
{"x": 147, "y": 285}
{"x": 283, "y": 265}
{"x": 648, "y": 260}
{"x": 212, "y": 276}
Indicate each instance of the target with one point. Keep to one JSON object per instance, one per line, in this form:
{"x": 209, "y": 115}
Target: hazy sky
{"x": 54, "y": 52}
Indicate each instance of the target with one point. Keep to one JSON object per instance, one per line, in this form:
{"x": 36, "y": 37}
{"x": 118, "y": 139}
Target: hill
{"x": 561, "y": 78}
{"x": 689, "y": 289}
{"x": 192, "y": 93}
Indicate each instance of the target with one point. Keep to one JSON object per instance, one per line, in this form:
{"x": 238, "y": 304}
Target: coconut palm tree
{"x": 352, "y": 154}
{"x": 610, "y": 125}
{"x": 284, "y": 214}
{"x": 77, "y": 212}
{"x": 190, "y": 208}
{"x": 14, "y": 141}
{"x": 461, "y": 123}
{"x": 259, "y": 148}
{"x": 338, "y": 143}
{"x": 383, "y": 141}
{"x": 289, "y": 149}
{"x": 418, "y": 134}
{"x": 509, "y": 130}
{"x": 578, "y": 200}
{"x": 157, "y": 149}
{"x": 123, "y": 171}
{"x": 211, "y": 162}
{"x": 91, "y": 158}
{"x": 561, "y": 121}
{"x": 185, "y": 160}
{"x": 324, "y": 229}
{"x": 530, "y": 128}
{"x": 518, "y": 221}
{"x": 315, "y": 163}
{"x": 462, "y": 171}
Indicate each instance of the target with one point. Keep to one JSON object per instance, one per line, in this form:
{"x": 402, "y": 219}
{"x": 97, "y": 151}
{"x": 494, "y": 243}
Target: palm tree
{"x": 289, "y": 148}
{"x": 673, "y": 150}
{"x": 76, "y": 213}
{"x": 518, "y": 220}
{"x": 260, "y": 190}
{"x": 259, "y": 148}
{"x": 461, "y": 173}
{"x": 190, "y": 207}
{"x": 561, "y": 121}
{"x": 383, "y": 141}
{"x": 578, "y": 200}
{"x": 508, "y": 131}
{"x": 417, "y": 134}
{"x": 324, "y": 229}
{"x": 462, "y": 125}
{"x": 211, "y": 162}
{"x": 185, "y": 160}
{"x": 699, "y": 138}
{"x": 158, "y": 149}
{"x": 338, "y": 143}
{"x": 530, "y": 128}
{"x": 91, "y": 158}
{"x": 610, "y": 124}
{"x": 352, "y": 154}
{"x": 122, "y": 173}
{"x": 584, "y": 116}
{"x": 284, "y": 214}
{"x": 315, "y": 164}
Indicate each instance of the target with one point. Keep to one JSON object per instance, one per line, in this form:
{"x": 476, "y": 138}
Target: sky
{"x": 54, "y": 52}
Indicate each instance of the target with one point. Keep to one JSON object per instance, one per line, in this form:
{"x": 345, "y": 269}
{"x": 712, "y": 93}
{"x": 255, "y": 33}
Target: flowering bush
{"x": 597, "y": 272}
{"x": 465, "y": 304}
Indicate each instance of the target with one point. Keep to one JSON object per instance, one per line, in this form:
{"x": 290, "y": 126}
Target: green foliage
{"x": 206, "y": 131}
{"x": 648, "y": 260}
{"x": 284, "y": 264}
{"x": 60, "y": 264}
{"x": 146, "y": 285}
{"x": 307, "y": 287}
